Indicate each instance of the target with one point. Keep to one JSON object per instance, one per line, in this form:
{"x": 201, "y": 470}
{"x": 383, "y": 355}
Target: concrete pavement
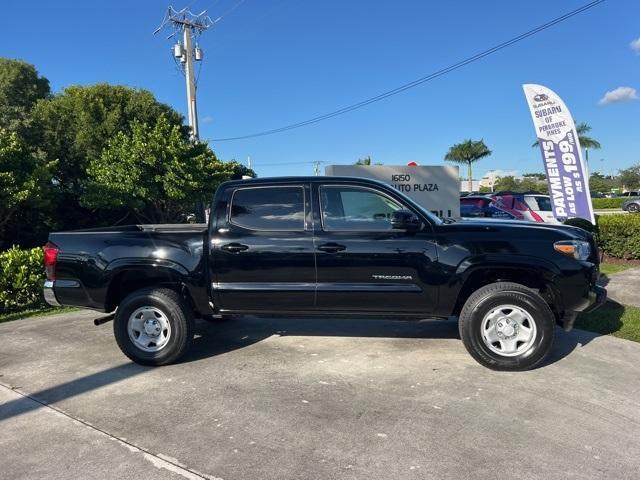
{"x": 624, "y": 287}
{"x": 312, "y": 399}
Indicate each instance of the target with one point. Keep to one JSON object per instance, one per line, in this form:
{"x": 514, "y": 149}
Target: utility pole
{"x": 190, "y": 26}
{"x": 191, "y": 83}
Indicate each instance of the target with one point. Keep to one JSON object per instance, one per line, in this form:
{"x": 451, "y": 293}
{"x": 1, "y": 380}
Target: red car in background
{"x": 530, "y": 206}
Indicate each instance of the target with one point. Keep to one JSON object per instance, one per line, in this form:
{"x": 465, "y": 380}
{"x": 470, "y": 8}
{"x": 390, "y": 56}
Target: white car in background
{"x": 541, "y": 205}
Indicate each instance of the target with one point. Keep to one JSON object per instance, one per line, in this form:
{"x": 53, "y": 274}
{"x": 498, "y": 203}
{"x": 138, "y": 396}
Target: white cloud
{"x": 207, "y": 119}
{"x": 620, "y": 94}
{"x": 635, "y": 45}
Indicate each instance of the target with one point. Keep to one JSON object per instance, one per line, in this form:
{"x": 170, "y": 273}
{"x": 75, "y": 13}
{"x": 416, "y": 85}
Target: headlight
{"x": 577, "y": 249}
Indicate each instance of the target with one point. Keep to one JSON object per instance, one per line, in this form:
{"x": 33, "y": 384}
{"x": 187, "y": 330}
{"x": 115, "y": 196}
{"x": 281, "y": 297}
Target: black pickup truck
{"x": 329, "y": 246}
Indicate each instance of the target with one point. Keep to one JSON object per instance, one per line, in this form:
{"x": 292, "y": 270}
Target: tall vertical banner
{"x": 567, "y": 174}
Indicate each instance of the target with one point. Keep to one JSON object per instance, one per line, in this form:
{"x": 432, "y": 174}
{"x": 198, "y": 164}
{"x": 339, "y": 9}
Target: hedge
{"x": 619, "y": 235}
{"x": 21, "y": 277}
{"x": 615, "y": 202}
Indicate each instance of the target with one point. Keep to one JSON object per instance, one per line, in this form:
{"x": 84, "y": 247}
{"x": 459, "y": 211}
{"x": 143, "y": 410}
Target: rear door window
{"x": 268, "y": 208}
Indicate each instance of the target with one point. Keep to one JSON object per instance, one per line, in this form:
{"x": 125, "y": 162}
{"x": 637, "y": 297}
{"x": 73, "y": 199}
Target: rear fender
{"x": 125, "y": 275}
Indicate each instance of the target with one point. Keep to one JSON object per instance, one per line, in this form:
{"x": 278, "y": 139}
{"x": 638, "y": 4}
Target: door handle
{"x": 331, "y": 247}
{"x": 234, "y": 247}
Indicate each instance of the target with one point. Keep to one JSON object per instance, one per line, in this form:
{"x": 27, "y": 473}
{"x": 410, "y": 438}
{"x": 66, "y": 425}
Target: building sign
{"x": 567, "y": 175}
{"x": 435, "y": 188}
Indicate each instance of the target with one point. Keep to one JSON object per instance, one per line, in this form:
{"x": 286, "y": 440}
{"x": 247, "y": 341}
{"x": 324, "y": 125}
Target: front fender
{"x": 477, "y": 270}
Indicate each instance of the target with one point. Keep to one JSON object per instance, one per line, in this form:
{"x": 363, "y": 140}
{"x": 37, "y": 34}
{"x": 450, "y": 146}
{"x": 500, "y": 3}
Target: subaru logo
{"x": 541, "y": 97}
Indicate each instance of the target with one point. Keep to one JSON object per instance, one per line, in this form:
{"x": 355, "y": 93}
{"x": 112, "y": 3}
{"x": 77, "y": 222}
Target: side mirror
{"x": 405, "y": 220}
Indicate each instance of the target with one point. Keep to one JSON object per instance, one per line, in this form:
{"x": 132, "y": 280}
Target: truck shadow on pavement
{"x": 32, "y": 401}
{"x": 217, "y": 338}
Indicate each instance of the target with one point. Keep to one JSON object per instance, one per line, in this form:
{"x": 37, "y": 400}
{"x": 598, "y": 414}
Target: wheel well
{"x": 127, "y": 282}
{"x": 529, "y": 278}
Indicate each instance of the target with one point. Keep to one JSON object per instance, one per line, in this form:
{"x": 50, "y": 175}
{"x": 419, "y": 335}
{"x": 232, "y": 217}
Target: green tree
{"x": 20, "y": 88}
{"x": 24, "y": 177}
{"x": 366, "y": 161}
{"x": 586, "y": 142}
{"x": 599, "y": 183}
{"x": 155, "y": 172}
{"x": 77, "y": 125}
{"x": 536, "y": 175}
{"x": 629, "y": 178}
{"x": 467, "y": 153}
{"x": 74, "y": 127}
{"x": 508, "y": 183}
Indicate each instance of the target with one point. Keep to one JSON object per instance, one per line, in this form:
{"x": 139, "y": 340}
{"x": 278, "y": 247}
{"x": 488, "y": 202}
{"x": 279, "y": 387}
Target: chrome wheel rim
{"x": 149, "y": 329}
{"x": 508, "y": 330}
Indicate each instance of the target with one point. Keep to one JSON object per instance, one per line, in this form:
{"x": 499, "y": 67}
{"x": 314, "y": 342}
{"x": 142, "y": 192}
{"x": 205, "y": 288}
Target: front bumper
{"x": 597, "y": 296}
{"x": 49, "y": 294}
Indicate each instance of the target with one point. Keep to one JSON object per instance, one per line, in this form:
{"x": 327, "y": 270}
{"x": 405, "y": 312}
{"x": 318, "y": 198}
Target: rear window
{"x": 268, "y": 208}
{"x": 539, "y": 204}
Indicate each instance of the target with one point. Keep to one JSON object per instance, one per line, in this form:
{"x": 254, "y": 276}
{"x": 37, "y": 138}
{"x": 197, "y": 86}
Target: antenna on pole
{"x": 183, "y": 23}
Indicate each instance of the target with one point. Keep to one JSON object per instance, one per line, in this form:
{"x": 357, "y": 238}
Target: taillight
{"x": 50, "y": 259}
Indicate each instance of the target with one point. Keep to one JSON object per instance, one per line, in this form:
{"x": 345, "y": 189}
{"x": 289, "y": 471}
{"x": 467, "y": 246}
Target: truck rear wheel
{"x": 153, "y": 326}
{"x": 507, "y": 326}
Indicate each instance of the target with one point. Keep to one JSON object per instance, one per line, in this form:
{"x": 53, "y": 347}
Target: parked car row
{"x": 533, "y": 207}
{"x": 631, "y": 193}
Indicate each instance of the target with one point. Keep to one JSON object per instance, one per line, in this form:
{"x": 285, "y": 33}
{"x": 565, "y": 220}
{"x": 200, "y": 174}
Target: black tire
{"x": 178, "y": 315}
{"x": 633, "y": 208}
{"x": 488, "y": 299}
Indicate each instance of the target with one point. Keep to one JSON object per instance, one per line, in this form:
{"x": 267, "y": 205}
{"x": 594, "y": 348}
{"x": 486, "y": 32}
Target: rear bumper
{"x": 65, "y": 292}
{"x": 596, "y": 297}
{"x": 49, "y": 294}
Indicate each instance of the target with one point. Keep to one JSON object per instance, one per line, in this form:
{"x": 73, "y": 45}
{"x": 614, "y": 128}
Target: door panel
{"x": 379, "y": 269}
{"x": 262, "y": 255}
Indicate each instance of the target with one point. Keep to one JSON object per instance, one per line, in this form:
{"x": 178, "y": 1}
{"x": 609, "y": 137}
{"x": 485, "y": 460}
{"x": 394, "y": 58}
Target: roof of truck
{"x": 303, "y": 179}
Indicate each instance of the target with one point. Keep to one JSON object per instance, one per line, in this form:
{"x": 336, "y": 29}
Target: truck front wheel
{"x": 507, "y": 326}
{"x": 153, "y": 326}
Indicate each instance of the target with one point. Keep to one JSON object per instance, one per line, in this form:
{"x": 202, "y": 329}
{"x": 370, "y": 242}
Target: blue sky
{"x": 272, "y": 63}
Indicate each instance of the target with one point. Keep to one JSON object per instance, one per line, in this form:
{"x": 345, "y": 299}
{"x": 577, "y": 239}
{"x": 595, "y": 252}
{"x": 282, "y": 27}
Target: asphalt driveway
{"x": 312, "y": 399}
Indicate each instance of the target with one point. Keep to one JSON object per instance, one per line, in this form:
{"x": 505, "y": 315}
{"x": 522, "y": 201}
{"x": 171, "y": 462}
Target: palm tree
{"x": 468, "y": 152}
{"x": 364, "y": 161}
{"x": 585, "y": 140}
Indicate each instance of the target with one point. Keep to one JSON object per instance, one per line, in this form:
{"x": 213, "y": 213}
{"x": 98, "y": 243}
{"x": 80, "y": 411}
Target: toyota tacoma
{"x": 329, "y": 246}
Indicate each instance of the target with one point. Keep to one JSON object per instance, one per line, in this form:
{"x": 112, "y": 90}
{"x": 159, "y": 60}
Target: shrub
{"x": 21, "y": 277}
{"x": 615, "y": 202}
{"x": 619, "y": 235}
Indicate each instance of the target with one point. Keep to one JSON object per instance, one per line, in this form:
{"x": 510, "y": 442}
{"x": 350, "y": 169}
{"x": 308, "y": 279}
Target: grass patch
{"x": 37, "y": 312}
{"x": 622, "y": 321}
{"x": 610, "y": 268}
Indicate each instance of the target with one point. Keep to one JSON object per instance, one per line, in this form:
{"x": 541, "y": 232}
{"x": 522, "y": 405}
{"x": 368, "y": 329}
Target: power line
{"x": 421, "y": 80}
